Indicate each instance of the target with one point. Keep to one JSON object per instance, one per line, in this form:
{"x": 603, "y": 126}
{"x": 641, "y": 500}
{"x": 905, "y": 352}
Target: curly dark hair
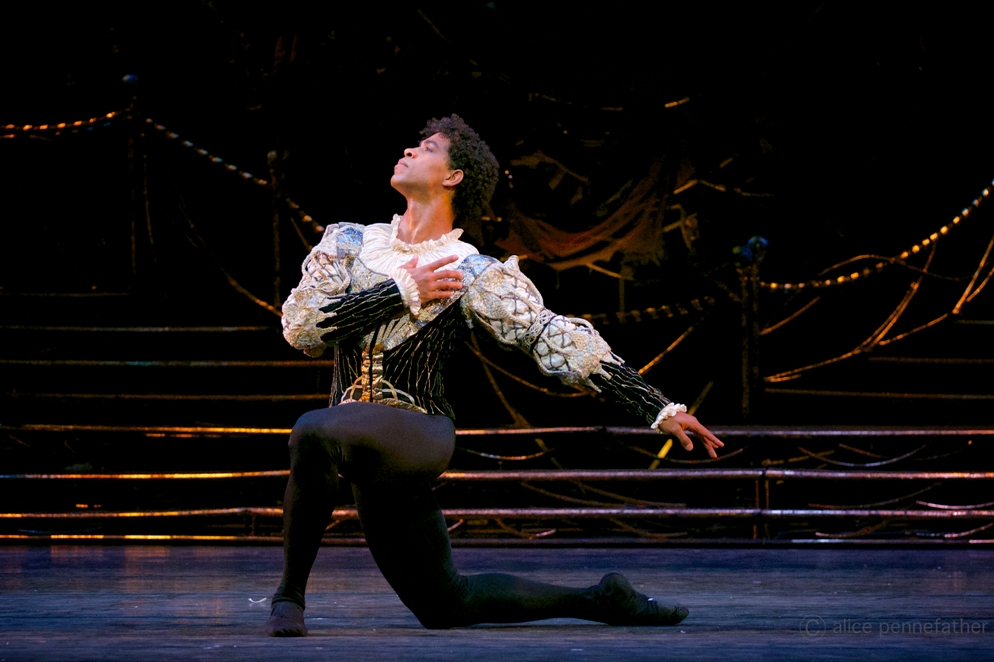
{"x": 467, "y": 152}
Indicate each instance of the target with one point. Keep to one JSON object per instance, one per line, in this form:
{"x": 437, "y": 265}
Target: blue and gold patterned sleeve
{"x": 505, "y": 302}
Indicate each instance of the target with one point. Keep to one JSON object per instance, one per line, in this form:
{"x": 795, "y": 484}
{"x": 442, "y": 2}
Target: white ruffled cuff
{"x": 669, "y": 411}
{"x": 408, "y": 289}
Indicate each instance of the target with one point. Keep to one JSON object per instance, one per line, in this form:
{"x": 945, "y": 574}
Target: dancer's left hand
{"x": 675, "y": 426}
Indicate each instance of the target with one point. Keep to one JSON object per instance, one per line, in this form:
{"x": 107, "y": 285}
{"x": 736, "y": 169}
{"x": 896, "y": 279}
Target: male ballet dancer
{"x": 393, "y": 300}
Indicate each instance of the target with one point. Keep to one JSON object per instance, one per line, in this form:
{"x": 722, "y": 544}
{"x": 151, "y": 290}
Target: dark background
{"x": 866, "y": 127}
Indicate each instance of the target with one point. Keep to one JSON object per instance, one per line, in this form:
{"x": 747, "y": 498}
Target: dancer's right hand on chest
{"x": 434, "y": 284}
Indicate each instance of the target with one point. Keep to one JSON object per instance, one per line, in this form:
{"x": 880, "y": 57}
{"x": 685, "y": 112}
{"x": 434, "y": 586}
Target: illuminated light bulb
{"x": 944, "y": 229}
{"x": 109, "y": 115}
{"x": 773, "y": 286}
{"x": 867, "y": 271}
{"x": 27, "y": 127}
{"x": 42, "y": 127}
{"x": 854, "y": 275}
{"x": 880, "y": 265}
{"x": 956, "y": 221}
{"x": 78, "y": 123}
{"x": 986, "y": 192}
{"x": 934, "y": 236}
{"x": 787, "y": 286}
{"x": 319, "y": 228}
{"x": 9, "y": 127}
{"x": 915, "y": 248}
{"x": 840, "y": 280}
{"x": 800, "y": 286}
{"x": 925, "y": 241}
{"x": 965, "y": 213}
{"x": 904, "y": 255}
{"x": 92, "y": 120}
{"x": 61, "y": 125}
{"x": 307, "y": 219}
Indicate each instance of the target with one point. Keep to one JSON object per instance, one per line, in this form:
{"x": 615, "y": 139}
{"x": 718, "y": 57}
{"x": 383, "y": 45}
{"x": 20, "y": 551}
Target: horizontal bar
{"x": 109, "y": 514}
{"x": 66, "y": 295}
{"x": 74, "y": 363}
{"x": 876, "y": 475}
{"x": 544, "y": 513}
{"x": 279, "y": 473}
{"x": 721, "y": 431}
{"x": 606, "y": 541}
{"x": 294, "y": 397}
{"x": 158, "y": 430}
{"x": 693, "y": 474}
{"x": 910, "y": 359}
{"x": 798, "y": 432}
{"x": 140, "y": 329}
{"x": 871, "y": 394}
{"x": 70, "y": 537}
{"x": 560, "y": 475}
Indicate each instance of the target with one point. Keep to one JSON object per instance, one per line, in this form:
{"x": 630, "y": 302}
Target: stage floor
{"x": 196, "y": 603}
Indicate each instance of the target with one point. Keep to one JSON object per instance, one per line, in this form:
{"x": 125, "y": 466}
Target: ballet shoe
{"x": 623, "y": 605}
{"x": 286, "y": 620}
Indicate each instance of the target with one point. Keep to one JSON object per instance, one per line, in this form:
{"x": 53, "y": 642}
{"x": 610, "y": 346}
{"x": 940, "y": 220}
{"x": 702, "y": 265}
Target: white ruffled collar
{"x": 422, "y": 247}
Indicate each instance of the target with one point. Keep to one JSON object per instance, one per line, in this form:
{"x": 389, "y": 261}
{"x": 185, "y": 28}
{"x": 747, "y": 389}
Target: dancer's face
{"x": 425, "y": 167}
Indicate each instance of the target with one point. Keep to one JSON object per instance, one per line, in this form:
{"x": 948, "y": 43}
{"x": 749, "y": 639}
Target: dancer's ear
{"x": 453, "y": 178}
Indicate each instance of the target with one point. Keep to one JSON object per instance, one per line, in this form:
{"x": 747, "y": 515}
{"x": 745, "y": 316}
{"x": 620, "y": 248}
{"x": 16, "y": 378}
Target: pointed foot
{"x": 625, "y": 606}
{"x": 286, "y": 620}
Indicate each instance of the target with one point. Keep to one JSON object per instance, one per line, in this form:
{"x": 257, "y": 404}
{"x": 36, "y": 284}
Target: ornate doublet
{"x": 389, "y": 348}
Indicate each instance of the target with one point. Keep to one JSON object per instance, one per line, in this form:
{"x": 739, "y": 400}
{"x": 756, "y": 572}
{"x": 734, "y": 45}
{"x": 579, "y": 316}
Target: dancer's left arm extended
{"x": 509, "y": 305}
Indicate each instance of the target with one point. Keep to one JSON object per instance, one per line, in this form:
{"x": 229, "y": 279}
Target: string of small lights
{"x": 880, "y": 266}
{"x": 699, "y": 305}
{"x": 230, "y": 167}
{"x": 58, "y": 128}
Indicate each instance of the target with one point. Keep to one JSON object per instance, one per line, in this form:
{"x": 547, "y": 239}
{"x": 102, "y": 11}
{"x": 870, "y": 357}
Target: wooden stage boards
{"x": 206, "y": 603}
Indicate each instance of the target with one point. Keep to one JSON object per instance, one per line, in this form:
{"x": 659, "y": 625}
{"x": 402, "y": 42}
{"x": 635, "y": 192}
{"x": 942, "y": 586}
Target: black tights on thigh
{"x": 391, "y": 456}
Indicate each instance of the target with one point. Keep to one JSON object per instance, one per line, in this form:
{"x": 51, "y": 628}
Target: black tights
{"x": 391, "y": 456}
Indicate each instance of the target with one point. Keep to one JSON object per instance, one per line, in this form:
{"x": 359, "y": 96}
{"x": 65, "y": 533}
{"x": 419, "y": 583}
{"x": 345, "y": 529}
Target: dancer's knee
{"x": 444, "y": 608}
{"x": 442, "y": 617}
{"x": 314, "y": 434}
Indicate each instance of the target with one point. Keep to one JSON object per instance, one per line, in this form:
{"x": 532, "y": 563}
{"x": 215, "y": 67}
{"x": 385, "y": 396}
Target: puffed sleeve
{"x": 505, "y": 302}
{"x": 321, "y": 311}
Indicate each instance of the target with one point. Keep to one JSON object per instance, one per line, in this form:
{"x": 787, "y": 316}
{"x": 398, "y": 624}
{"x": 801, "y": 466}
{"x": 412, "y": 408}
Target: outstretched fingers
{"x": 711, "y": 442}
{"x": 684, "y": 440}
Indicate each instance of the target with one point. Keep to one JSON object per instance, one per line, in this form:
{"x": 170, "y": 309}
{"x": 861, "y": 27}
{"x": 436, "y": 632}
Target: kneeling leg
{"x": 409, "y": 540}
